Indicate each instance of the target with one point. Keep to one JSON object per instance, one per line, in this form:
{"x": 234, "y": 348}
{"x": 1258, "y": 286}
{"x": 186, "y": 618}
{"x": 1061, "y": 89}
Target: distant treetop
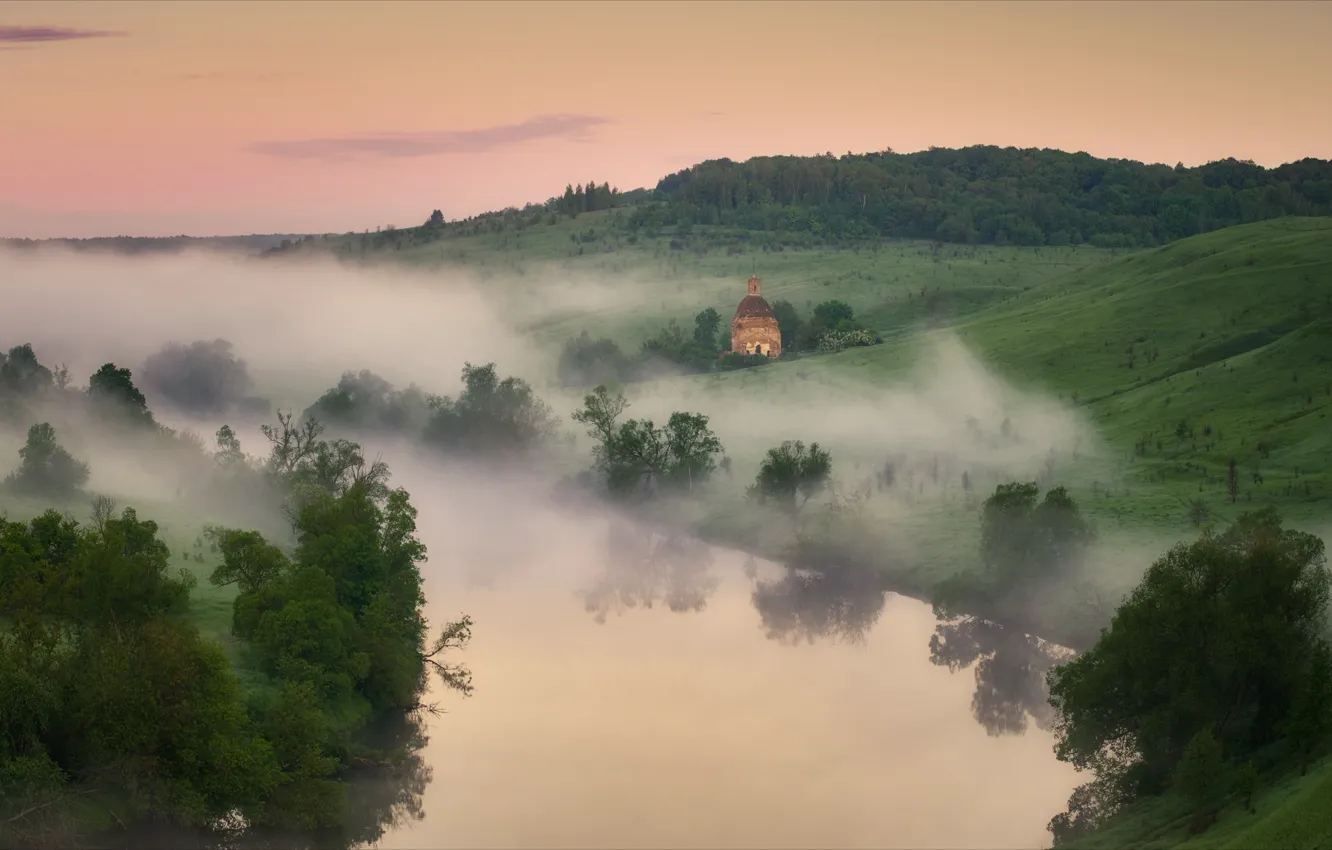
{"x": 987, "y": 194}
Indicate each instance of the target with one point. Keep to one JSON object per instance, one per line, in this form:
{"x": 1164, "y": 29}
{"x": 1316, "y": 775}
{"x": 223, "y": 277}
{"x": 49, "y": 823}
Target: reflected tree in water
{"x": 644, "y": 567}
{"x": 841, "y": 603}
{"x": 386, "y": 792}
{"x": 1010, "y": 669}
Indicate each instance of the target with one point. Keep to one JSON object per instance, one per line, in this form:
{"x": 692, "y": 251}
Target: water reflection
{"x": 839, "y": 603}
{"x": 1010, "y": 672}
{"x": 385, "y": 795}
{"x": 644, "y": 567}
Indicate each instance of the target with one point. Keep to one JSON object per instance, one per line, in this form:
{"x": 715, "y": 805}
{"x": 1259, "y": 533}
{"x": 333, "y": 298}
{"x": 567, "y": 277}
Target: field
{"x": 1183, "y": 359}
{"x": 1176, "y": 362}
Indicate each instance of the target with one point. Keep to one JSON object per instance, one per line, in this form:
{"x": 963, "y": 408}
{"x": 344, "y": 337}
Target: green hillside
{"x": 892, "y": 283}
{"x": 1229, "y": 333}
{"x": 1290, "y": 812}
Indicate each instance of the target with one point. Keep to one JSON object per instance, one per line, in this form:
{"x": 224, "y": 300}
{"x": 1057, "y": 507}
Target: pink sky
{"x": 156, "y": 118}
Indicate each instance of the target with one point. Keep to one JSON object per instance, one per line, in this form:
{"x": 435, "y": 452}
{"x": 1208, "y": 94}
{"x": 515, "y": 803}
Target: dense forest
{"x": 987, "y": 194}
{"x": 976, "y": 195}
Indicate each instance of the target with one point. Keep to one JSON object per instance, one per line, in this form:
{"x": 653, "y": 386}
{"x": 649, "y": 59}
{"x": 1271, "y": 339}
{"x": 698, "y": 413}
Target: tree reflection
{"x": 841, "y": 603}
{"x": 1010, "y": 672}
{"x": 385, "y": 792}
{"x": 644, "y": 567}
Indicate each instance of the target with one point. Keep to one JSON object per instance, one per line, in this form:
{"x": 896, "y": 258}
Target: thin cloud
{"x": 399, "y": 145}
{"x": 236, "y": 76}
{"x": 41, "y": 35}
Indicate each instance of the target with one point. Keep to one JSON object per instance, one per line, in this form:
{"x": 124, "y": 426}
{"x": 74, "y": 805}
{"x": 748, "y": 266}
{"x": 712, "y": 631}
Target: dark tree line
{"x": 986, "y": 194}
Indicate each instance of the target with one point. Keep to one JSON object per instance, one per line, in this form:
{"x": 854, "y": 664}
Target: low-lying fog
{"x": 698, "y": 728}
{"x": 748, "y": 706}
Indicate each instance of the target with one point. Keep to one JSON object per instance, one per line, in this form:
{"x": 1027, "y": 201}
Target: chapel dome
{"x": 753, "y": 307}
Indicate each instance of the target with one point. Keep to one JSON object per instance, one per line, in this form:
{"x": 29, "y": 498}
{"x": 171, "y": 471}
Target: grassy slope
{"x": 1290, "y": 812}
{"x": 1230, "y": 331}
{"x": 883, "y": 282}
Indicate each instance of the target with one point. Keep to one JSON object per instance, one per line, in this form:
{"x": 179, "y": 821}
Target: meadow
{"x": 1177, "y": 359}
{"x": 1202, "y": 368}
{"x": 1167, "y": 388}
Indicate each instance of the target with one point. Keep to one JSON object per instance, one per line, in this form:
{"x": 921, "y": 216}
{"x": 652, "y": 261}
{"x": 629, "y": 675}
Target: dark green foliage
{"x": 106, "y": 687}
{"x": 46, "y": 468}
{"x": 1310, "y": 720}
{"x": 587, "y": 198}
{"x": 22, "y": 379}
{"x": 366, "y": 402}
{"x": 113, "y": 391}
{"x": 491, "y": 416}
{"x": 788, "y": 322}
{"x": 832, "y": 327}
{"x": 21, "y": 374}
{"x": 1200, "y": 775}
{"x": 670, "y": 350}
{"x": 1023, "y": 542}
{"x": 739, "y": 360}
{"x": 1222, "y": 635}
{"x": 637, "y": 459}
{"x": 1088, "y": 806}
{"x": 985, "y": 194}
{"x": 585, "y": 362}
{"x": 706, "y": 325}
{"x": 102, "y": 684}
{"x": 831, "y": 314}
{"x": 201, "y": 378}
{"x": 1246, "y": 783}
{"x": 792, "y": 474}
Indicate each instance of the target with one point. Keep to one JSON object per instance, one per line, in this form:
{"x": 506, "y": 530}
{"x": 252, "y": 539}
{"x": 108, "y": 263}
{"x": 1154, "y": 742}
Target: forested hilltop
{"x": 987, "y": 194}
{"x": 976, "y": 195}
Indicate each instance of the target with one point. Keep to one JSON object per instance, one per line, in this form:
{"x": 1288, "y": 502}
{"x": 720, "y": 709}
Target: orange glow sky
{"x": 237, "y": 117}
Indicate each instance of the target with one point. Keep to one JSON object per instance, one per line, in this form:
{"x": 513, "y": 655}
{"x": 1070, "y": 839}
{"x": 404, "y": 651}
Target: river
{"x": 820, "y": 720}
{"x": 747, "y": 706}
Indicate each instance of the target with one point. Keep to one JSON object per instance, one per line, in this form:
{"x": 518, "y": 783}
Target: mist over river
{"x": 699, "y": 728}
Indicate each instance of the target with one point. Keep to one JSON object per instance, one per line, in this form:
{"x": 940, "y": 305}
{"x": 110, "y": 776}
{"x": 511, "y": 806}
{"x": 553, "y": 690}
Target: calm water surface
{"x": 600, "y": 723}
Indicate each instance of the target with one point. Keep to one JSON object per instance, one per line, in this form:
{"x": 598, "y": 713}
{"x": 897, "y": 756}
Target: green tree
{"x": 792, "y": 474}
{"x": 113, "y": 389}
{"x": 1200, "y": 775}
{"x": 21, "y": 374}
{"x": 1311, "y": 712}
{"x": 788, "y": 323}
{"x": 636, "y": 458}
{"x": 1024, "y": 540}
{"x": 202, "y": 378}
{"x": 46, "y": 468}
{"x": 832, "y": 314}
{"x": 706, "y": 325}
{"x": 491, "y": 416}
{"x": 588, "y": 362}
{"x": 1246, "y": 783}
{"x": 1218, "y": 636}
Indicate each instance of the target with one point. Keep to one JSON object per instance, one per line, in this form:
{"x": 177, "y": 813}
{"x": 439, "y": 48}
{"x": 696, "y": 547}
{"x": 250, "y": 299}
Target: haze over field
{"x": 501, "y": 549}
{"x": 542, "y": 437}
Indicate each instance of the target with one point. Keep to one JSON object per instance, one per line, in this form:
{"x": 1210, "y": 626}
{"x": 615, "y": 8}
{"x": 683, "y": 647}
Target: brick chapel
{"x": 754, "y": 329}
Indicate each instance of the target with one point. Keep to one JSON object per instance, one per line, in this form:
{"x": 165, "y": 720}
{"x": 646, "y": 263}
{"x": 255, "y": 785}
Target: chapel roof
{"x": 753, "y": 307}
